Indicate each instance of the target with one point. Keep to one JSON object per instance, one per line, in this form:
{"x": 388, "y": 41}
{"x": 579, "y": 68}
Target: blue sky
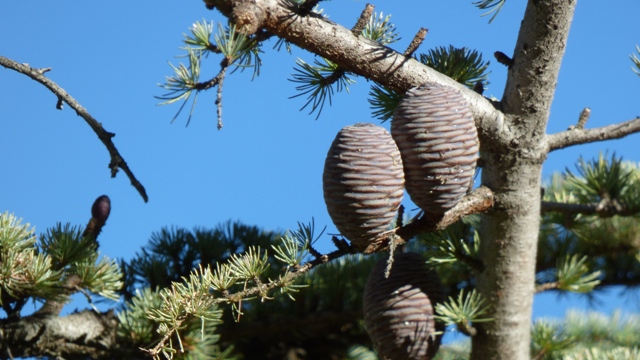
{"x": 265, "y": 166}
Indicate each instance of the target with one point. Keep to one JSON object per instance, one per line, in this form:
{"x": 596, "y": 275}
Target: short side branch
{"x": 117, "y": 161}
{"x": 579, "y": 136}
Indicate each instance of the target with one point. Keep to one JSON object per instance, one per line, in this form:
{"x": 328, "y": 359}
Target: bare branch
{"x": 117, "y": 161}
{"x": 577, "y": 136}
{"x": 546, "y": 287}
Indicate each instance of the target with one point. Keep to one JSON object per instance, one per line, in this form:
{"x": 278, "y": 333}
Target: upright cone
{"x": 363, "y": 183}
{"x": 398, "y": 310}
{"x": 436, "y": 134}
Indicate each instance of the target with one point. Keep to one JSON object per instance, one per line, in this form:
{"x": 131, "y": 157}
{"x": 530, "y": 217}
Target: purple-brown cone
{"x": 437, "y": 136}
{"x": 101, "y": 209}
{"x": 398, "y": 310}
{"x": 363, "y": 183}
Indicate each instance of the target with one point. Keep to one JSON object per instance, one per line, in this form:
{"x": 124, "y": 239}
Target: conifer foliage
{"x": 471, "y": 260}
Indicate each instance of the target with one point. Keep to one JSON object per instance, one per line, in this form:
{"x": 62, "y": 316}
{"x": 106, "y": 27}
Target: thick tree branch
{"x": 117, "y": 161}
{"x": 579, "y": 136}
{"x": 82, "y": 335}
{"x": 362, "y": 56}
{"x": 513, "y": 171}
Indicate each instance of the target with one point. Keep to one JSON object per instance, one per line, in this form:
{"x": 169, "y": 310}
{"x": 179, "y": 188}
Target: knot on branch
{"x": 248, "y": 17}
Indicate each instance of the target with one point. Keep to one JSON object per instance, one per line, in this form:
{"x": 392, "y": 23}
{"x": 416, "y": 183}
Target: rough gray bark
{"x": 83, "y": 335}
{"x": 512, "y": 170}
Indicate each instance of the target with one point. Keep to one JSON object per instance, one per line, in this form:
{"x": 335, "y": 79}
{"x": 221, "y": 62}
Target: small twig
{"x": 546, "y": 287}
{"x": 568, "y": 138}
{"x": 416, "y": 42}
{"x": 584, "y": 117}
{"x": 363, "y": 20}
{"x": 392, "y": 250}
{"x": 116, "y": 159}
{"x": 466, "y": 328}
{"x": 219, "y": 97}
{"x": 503, "y": 58}
{"x": 479, "y": 87}
{"x": 400, "y": 218}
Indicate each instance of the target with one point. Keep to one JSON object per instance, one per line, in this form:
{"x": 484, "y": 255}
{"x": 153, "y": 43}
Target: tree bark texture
{"x": 512, "y": 136}
{"x": 512, "y": 171}
{"x": 82, "y": 335}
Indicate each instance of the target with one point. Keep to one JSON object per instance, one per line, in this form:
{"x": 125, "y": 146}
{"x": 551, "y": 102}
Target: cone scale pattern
{"x": 436, "y": 134}
{"x": 398, "y": 310}
{"x": 363, "y": 183}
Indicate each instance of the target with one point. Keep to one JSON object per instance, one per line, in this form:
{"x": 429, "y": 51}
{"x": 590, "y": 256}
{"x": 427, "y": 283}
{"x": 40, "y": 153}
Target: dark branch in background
{"x": 606, "y": 208}
{"x": 116, "y": 159}
{"x": 578, "y": 136}
{"x": 416, "y": 42}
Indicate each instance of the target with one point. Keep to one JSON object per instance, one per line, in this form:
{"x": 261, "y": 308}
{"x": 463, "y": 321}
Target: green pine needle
{"x": 548, "y": 337}
{"x": 636, "y": 61}
{"x": 599, "y": 179}
{"x": 573, "y": 275}
{"x": 383, "y": 102}
{"x": 200, "y": 37}
{"x": 66, "y": 245}
{"x": 466, "y": 309}
{"x": 183, "y": 83}
{"x": 239, "y": 49}
{"x": 380, "y": 29}
{"x": 494, "y": 7}
{"x": 103, "y": 278}
{"x": 319, "y": 81}
{"x": 461, "y": 64}
{"x": 249, "y": 265}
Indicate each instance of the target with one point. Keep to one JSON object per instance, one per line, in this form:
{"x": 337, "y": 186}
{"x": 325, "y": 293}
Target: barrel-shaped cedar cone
{"x": 399, "y": 310}
{"x": 363, "y": 183}
{"x": 437, "y": 136}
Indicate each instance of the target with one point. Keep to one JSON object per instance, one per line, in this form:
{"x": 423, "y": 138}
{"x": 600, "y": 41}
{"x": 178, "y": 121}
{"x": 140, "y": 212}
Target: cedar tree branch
{"x": 480, "y": 200}
{"x": 578, "y": 136}
{"x": 116, "y": 159}
{"x": 81, "y": 335}
{"x": 363, "y": 57}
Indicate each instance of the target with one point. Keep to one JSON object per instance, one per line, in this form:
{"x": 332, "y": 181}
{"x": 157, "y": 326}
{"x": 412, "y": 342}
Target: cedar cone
{"x": 363, "y": 183}
{"x": 398, "y": 310}
{"x": 437, "y": 136}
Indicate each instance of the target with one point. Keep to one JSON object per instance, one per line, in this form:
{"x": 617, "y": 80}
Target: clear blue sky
{"x": 265, "y": 166}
